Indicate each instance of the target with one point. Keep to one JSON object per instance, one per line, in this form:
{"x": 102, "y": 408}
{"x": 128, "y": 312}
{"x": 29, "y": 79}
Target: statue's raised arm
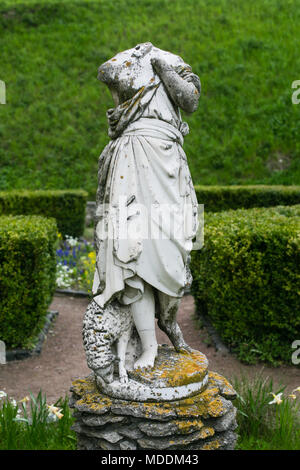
{"x": 183, "y": 86}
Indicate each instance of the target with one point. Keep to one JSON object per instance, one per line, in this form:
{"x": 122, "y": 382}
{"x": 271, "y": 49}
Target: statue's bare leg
{"x": 143, "y": 313}
{"x": 168, "y": 307}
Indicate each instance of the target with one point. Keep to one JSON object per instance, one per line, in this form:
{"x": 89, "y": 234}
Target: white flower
{"x": 3, "y": 394}
{"x": 71, "y": 240}
{"x": 276, "y": 399}
{"x": 63, "y": 276}
{"x": 297, "y": 389}
{"x": 56, "y": 411}
{"x": 13, "y": 402}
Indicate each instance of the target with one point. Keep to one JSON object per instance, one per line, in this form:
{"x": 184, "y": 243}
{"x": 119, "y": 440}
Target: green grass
{"x": 265, "y": 426}
{"x": 53, "y": 127}
{"x": 30, "y": 425}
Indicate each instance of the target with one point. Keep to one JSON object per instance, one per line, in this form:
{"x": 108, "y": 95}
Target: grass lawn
{"x": 53, "y": 127}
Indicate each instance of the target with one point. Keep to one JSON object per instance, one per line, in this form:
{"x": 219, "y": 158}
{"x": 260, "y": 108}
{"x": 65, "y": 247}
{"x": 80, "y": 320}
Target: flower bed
{"x": 75, "y": 265}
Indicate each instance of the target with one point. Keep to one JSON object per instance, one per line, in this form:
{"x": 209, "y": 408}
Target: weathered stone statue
{"x": 143, "y": 174}
{"x": 146, "y": 221}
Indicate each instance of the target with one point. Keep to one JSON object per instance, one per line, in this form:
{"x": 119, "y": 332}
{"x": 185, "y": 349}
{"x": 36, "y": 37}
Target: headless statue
{"x": 143, "y": 173}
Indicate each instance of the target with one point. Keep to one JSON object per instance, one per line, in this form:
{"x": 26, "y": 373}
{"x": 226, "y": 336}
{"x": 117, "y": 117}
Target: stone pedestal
{"x": 176, "y": 375}
{"x": 204, "y": 421}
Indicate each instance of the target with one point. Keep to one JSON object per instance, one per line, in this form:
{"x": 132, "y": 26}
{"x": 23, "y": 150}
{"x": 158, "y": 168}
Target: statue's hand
{"x": 122, "y": 373}
{"x": 160, "y": 65}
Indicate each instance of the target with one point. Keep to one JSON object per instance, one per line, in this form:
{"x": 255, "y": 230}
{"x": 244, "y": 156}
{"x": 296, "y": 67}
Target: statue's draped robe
{"x": 146, "y": 214}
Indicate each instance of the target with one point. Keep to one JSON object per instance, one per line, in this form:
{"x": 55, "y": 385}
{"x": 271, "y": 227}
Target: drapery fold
{"x": 144, "y": 175}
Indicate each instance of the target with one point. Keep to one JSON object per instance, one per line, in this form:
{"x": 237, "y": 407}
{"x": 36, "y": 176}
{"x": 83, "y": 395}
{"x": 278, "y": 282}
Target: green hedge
{"x": 246, "y": 279}
{"x": 27, "y": 276}
{"x": 67, "y": 207}
{"x": 220, "y": 198}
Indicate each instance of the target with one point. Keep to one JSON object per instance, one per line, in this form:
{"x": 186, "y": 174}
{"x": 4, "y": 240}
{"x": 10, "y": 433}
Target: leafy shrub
{"x": 27, "y": 276}
{"x": 221, "y": 198}
{"x": 246, "y": 279}
{"x": 67, "y": 207}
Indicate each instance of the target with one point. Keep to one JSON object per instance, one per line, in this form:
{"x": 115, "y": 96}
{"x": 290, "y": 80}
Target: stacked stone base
{"x": 205, "y": 421}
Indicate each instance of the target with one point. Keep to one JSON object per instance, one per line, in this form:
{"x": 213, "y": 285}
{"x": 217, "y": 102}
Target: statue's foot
{"x": 146, "y": 359}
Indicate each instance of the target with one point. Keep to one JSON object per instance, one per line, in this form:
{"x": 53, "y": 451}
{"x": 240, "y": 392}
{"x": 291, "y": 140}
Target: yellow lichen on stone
{"x": 206, "y": 432}
{"x": 151, "y": 409}
{"x": 215, "y": 408}
{"x": 193, "y": 411}
{"x": 187, "y": 371}
{"x": 224, "y": 386}
{"x": 213, "y": 445}
{"x": 90, "y": 397}
{"x": 208, "y": 394}
{"x": 173, "y": 369}
{"x": 206, "y": 403}
{"x": 185, "y": 426}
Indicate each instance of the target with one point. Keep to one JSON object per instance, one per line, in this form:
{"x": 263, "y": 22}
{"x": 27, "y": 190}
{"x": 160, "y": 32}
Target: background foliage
{"x": 221, "y": 198}
{"x": 246, "y": 279}
{"x": 67, "y": 207}
{"x": 53, "y": 127}
{"x": 27, "y": 276}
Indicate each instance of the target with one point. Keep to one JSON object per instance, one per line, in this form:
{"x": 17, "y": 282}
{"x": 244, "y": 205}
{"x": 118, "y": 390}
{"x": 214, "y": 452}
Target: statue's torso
{"x": 127, "y": 72}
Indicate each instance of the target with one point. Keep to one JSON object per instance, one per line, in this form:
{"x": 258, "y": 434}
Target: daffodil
{"x": 293, "y": 396}
{"x": 56, "y": 411}
{"x": 297, "y": 389}
{"x": 25, "y": 400}
{"x": 3, "y": 394}
{"x": 276, "y": 399}
{"x": 52, "y": 409}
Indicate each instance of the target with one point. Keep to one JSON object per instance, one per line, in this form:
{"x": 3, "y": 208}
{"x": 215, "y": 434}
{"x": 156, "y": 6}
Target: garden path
{"x": 63, "y": 359}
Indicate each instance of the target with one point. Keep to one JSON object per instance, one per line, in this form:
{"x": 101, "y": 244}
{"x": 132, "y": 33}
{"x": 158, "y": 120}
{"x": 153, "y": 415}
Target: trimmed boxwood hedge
{"x": 27, "y": 276}
{"x": 66, "y": 206}
{"x": 247, "y": 280}
{"x": 220, "y": 198}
